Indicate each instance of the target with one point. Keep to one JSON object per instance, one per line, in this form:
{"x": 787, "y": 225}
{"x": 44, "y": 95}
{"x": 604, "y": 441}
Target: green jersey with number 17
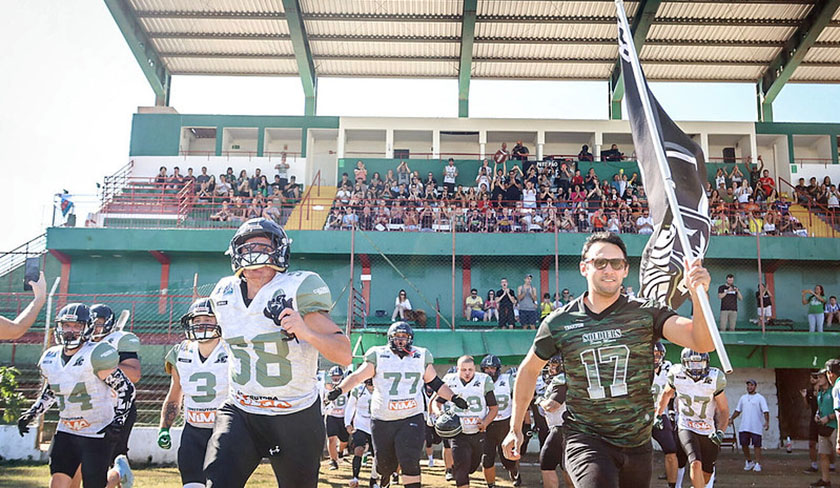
{"x": 268, "y": 374}
{"x": 608, "y": 360}
{"x": 398, "y": 382}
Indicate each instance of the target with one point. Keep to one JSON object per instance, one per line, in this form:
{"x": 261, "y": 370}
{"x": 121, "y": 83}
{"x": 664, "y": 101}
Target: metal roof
{"x": 711, "y": 40}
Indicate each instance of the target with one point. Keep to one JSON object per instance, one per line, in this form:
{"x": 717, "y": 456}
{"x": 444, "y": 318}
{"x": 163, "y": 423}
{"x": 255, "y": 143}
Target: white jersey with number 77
{"x": 398, "y": 382}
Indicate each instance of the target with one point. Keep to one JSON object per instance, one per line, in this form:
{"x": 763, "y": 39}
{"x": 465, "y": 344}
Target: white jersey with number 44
{"x": 270, "y": 375}
{"x": 473, "y": 392}
{"x": 204, "y": 383}
{"x": 696, "y": 399}
{"x": 398, "y": 382}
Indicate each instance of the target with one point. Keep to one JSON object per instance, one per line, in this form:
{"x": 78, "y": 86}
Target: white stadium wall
{"x": 148, "y": 166}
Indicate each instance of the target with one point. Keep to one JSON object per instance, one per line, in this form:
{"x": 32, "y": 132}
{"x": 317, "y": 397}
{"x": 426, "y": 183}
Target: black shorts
{"x": 398, "y": 443}
{"x": 336, "y": 428}
{"x": 551, "y": 454}
{"x": 493, "y": 437}
{"x": 467, "y": 450}
{"x": 121, "y": 447}
{"x": 594, "y": 463}
{"x": 432, "y": 437}
{"x": 191, "y": 454}
{"x": 68, "y": 451}
{"x": 699, "y": 448}
{"x": 362, "y": 439}
{"x": 813, "y": 432}
{"x": 293, "y": 443}
{"x": 506, "y": 317}
{"x": 528, "y": 317}
{"x": 666, "y": 436}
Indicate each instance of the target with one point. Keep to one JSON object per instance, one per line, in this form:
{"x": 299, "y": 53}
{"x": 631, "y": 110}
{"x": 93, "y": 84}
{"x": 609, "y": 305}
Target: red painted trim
{"x": 64, "y": 286}
{"x": 545, "y": 286}
{"x": 164, "y": 261}
{"x": 466, "y": 280}
{"x": 770, "y": 281}
{"x": 365, "y": 260}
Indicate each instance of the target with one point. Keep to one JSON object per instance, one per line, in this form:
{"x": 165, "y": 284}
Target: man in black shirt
{"x": 729, "y": 295}
{"x": 506, "y": 299}
{"x": 513, "y": 190}
{"x": 764, "y": 303}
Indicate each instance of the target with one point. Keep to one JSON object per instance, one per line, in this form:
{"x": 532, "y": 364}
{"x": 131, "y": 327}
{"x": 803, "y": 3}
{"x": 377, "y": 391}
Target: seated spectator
{"x": 367, "y": 219}
{"x": 176, "y": 181}
{"x": 614, "y": 224}
{"x": 350, "y": 219}
{"x": 254, "y": 181}
{"x": 254, "y": 210}
{"x": 582, "y": 221}
{"x": 832, "y": 311}
{"x": 491, "y": 307}
{"x": 546, "y": 306}
{"x": 529, "y": 195}
{"x": 401, "y": 305}
{"x": 292, "y": 190}
{"x": 263, "y": 188}
{"x": 743, "y": 192}
{"x": 161, "y": 176}
{"x": 203, "y": 177}
{"x": 736, "y": 176}
{"x": 243, "y": 187}
{"x": 223, "y": 187}
{"x": 272, "y": 211}
{"x": 598, "y": 221}
{"x": 612, "y": 154}
{"x": 190, "y": 180}
{"x": 644, "y": 224}
{"x": 767, "y": 185}
{"x": 474, "y": 306}
{"x": 360, "y": 173}
{"x": 334, "y": 219}
{"x": 207, "y": 188}
{"x": 771, "y": 219}
{"x": 585, "y": 155}
{"x": 223, "y": 215}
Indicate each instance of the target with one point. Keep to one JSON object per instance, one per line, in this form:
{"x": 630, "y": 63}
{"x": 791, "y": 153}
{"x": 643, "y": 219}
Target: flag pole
{"x": 669, "y": 185}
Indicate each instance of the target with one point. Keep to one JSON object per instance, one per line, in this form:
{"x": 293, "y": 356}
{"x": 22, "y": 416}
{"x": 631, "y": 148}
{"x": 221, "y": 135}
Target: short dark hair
{"x": 451, "y": 159}
{"x": 730, "y": 275}
{"x": 833, "y": 366}
{"x": 547, "y": 295}
{"x": 607, "y": 237}
{"x": 832, "y": 296}
{"x": 473, "y": 290}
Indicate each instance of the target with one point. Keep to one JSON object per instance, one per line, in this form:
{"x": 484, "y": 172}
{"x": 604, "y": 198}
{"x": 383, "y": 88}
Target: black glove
{"x": 459, "y": 402}
{"x": 274, "y": 308}
{"x": 112, "y": 431}
{"x": 23, "y": 423}
{"x": 658, "y": 422}
{"x": 334, "y": 393}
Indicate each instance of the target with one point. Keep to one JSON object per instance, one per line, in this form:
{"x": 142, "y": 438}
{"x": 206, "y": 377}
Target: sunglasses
{"x": 601, "y": 263}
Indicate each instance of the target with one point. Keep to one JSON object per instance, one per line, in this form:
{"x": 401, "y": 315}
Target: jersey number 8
{"x": 273, "y": 367}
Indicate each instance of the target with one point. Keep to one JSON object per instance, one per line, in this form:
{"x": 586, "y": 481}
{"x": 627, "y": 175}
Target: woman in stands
{"x": 815, "y": 300}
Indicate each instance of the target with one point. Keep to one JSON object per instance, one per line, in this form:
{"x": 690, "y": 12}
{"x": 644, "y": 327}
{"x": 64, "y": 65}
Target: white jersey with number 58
{"x": 270, "y": 375}
{"x": 398, "y": 382}
{"x": 696, "y": 399}
{"x": 204, "y": 383}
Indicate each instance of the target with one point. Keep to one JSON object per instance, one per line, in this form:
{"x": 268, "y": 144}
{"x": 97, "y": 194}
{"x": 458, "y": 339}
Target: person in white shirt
{"x": 450, "y": 172}
{"x": 401, "y": 305}
{"x": 644, "y": 224}
{"x": 755, "y": 419}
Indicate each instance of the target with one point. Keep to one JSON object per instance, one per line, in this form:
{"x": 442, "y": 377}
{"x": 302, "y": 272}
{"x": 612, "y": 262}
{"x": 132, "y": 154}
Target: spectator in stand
{"x": 755, "y": 420}
{"x": 254, "y": 209}
{"x": 815, "y": 300}
{"x": 505, "y": 300}
{"x": 243, "y": 188}
{"x": 513, "y": 190}
{"x": 223, "y": 215}
{"x": 176, "y": 181}
{"x": 403, "y": 174}
{"x": 520, "y": 152}
{"x": 272, "y": 210}
{"x": 585, "y": 155}
{"x": 736, "y": 176}
{"x": 743, "y": 192}
{"x": 292, "y": 190}
{"x": 612, "y": 154}
{"x": 755, "y": 171}
{"x": 254, "y": 181}
{"x": 563, "y": 180}
{"x": 832, "y": 311}
{"x": 367, "y": 219}
{"x": 527, "y": 299}
{"x": 350, "y": 219}
{"x": 720, "y": 178}
{"x": 614, "y": 224}
{"x": 482, "y": 180}
{"x": 203, "y": 177}
{"x": 644, "y": 224}
{"x": 360, "y": 173}
{"x": 801, "y": 191}
{"x": 546, "y": 306}
{"x": 263, "y": 188}
{"x": 206, "y": 189}
{"x": 474, "y": 306}
{"x": 229, "y": 176}
{"x": 767, "y": 185}
{"x": 450, "y": 173}
{"x": 729, "y": 294}
{"x": 771, "y": 221}
{"x": 491, "y": 307}
{"x": 764, "y": 304}
{"x": 161, "y": 176}
{"x": 501, "y": 157}
{"x": 238, "y": 209}
{"x": 190, "y": 179}
{"x": 401, "y": 305}
{"x": 598, "y": 221}
{"x": 282, "y": 169}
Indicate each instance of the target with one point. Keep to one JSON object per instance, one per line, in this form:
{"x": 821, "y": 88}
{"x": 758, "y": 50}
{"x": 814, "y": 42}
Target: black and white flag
{"x": 661, "y": 270}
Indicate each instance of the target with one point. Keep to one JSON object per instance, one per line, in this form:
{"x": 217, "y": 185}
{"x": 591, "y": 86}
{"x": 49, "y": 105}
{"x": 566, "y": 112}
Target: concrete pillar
{"x": 704, "y": 143}
{"x": 482, "y": 144}
{"x": 540, "y": 144}
{"x": 340, "y": 147}
{"x": 597, "y": 142}
{"x": 389, "y": 144}
{"x": 436, "y": 143}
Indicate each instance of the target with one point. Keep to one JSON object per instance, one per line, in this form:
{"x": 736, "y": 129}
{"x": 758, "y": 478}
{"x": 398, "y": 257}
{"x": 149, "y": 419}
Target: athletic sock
{"x": 357, "y": 466}
{"x": 711, "y": 482}
{"x": 680, "y": 476}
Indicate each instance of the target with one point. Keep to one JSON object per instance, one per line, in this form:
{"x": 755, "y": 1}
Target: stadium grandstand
{"x": 372, "y": 208}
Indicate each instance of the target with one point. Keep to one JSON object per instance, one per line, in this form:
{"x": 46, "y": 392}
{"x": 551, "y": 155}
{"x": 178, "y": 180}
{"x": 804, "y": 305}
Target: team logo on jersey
{"x": 602, "y": 336}
{"x": 221, "y": 359}
{"x": 700, "y": 425}
{"x": 398, "y": 405}
{"x": 76, "y": 423}
{"x": 228, "y": 289}
{"x": 51, "y": 354}
{"x": 79, "y": 361}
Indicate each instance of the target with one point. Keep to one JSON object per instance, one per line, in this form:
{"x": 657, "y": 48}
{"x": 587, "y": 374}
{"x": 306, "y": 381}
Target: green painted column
{"x": 833, "y": 142}
{"x": 260, "y": 141}
{"x": 304, "y": 133}
{"x": 791, "y": 154}
{"x": 220, "y": 133}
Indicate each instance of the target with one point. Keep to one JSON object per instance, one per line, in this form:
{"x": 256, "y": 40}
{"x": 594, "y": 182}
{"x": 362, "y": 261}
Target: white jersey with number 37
{"x": 696, "y": 399}
{"x": 268, "y": 374}
{"x": 204, "y": 383}
{"x": 398, "y": 382}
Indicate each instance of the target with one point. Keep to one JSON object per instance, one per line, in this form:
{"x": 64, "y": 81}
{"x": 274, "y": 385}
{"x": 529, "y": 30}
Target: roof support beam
{"x": 465, "y": 65}
{"x": 640, "y": 26}
{"x": 303, "y": 55}
{"x": 792, "y": 55}
{"x": 156, "y": 72}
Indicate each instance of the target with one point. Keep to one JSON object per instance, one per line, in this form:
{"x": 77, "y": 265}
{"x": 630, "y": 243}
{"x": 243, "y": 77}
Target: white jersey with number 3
{"x": 696, "y": 399}
{"x": 85, "y": 402}
{"x": 473, "y": 392}
{"x": 398, "y": 382}
{"x": 204, "y": 383}
{"x": 270, "y": 375}
{"x": 660, "y": 380}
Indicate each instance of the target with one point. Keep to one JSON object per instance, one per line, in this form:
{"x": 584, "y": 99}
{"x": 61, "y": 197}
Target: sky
{"x": 70, "y": 86}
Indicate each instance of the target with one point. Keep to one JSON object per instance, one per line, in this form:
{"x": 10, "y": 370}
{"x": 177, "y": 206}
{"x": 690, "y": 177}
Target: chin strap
{"x": 124, "y": 389}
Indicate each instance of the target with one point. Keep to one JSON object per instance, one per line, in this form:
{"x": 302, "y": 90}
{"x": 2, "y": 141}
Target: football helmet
{"x": 448, "y": 424}
{"x": 101, "y": 311}
{"x": 201, "y": 330}
{"x": 492, "y": 361}
{"x": 553, "y": 367}
{"x": 695, "y": 364}
{"x": 245, "y": 255}
{"x": 658, "y": 354}
{"x": 336, "y": 371}
{"x": 396, "y": 328}
{"x": 73, "y": 312}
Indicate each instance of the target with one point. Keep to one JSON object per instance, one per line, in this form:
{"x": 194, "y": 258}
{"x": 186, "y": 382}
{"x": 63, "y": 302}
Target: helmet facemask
{"x": 71, "y": 336}
{"x": 203, "y": 328}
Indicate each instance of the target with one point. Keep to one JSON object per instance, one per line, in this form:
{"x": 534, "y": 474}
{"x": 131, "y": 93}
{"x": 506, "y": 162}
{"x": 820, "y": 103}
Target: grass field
{"x": 780, "y": 470}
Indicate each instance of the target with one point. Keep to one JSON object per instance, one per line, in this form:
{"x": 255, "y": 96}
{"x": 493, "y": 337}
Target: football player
{"x": 274, "y": 322}
{"x": 491, "y": 365}
{"x": 199, "y": 370}
{"x": 396, "y": 406}
{"x": 477, "y": 389}
{"x": 94, "y": 399}
{"x": 337, "y": 435}
{"x": 699, "y": 389}
{"x": 605, "y": 340}
{"x": 665, "y": 434}
{"x": 553, "y": 403}
{"x": 432, "y": 437}
{"x": 357, "y": 423}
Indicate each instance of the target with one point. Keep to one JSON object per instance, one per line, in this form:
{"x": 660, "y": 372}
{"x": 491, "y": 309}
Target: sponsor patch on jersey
{"x": 260, "y": 401}
{"x": 221, "y": 303}
{"x": 184, "y": 360}
{"x": 398, "y": 405}
{"x": 576, "y": 325}
{"x": 202, "y": 417}
{"x": 75, "y": 424}
{"x": 470, "y": 420}
{"x": 697, "y": 424}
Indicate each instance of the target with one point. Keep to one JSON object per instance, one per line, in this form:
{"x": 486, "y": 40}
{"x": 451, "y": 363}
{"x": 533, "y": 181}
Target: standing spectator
{"x": 520, "y": 152}
{"x": 450, "y": 172}
{"x": 482, "y": 181}
{"x": 585, "y": 155}
{"x": 161, "y": 176}
{"x": 401, "y": 304}
{"x": 176, "y": 180}
{"x": 526, "y": 296}
{"x": 501, "y": 157}
{"x": 764, "y": 302}
{"x": 809, "y": 396}
{"x": 832, "y": 311}
{"x": 729, "y": 295}
{"x": 755, "y": 420}
{"x": 505, "y": 300}
{"x": 491, "y": 307}
{"x": 546, "y": 306}
{"x": 282, "y": 169}
{"x": 360, "y": 173}
{"x": 755, "y": 172}
{"x": 826, "y": 420}
{"x": 403, "y": 174}
{"x": 474, "y": 306}
{"x": 203, "y": 177}
{"x": 815, "y": 300}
